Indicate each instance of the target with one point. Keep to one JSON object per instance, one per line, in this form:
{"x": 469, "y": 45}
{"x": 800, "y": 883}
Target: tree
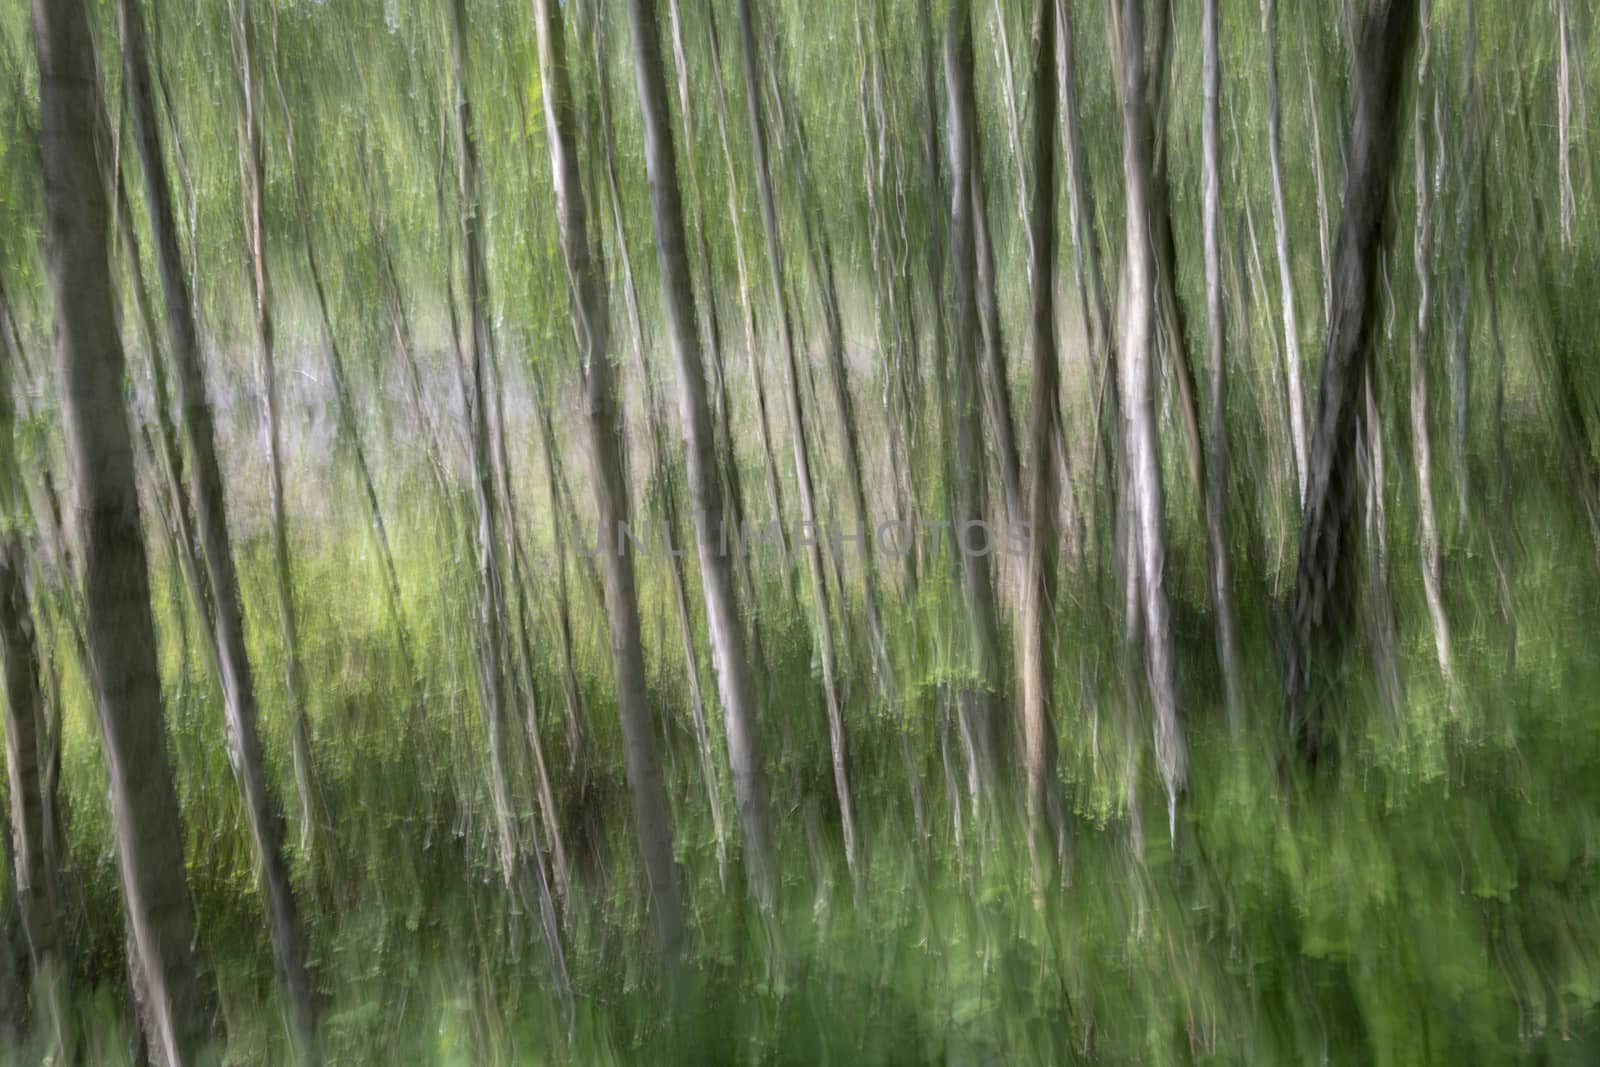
{"x": 494, "y": 650}
{"x": 263, "y": 812}
{"x": 804, "y": 477}
{"x": 979, "y": 710}
{"x": 1422, "y": 255}
{"x": 120, "y": 631}
{"x": 1042, "y": 576}
{"x": 734, "y": 680}
{"x": 1216, "y": 485}
{"x": 1323, "y": 570}
{"x": 1137, "y": 358}
{"x": 1280, "y": 229}
{"x": 591, "y": 325}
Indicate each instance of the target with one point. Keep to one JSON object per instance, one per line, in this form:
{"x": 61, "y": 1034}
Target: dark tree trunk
{"x": 1321, "y": 592}
{"x": 120, "y": 630}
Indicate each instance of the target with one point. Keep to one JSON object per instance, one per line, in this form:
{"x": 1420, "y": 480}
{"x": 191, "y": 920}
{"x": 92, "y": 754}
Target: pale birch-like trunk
{"x": 1569, "y": 203}
{"x": 1137, "y": 352}
{"x": 980, "y": 713}
{"x": 1422, "y": 254}
{"x": 1280, "y": 227}
{"x": 734, "y": 679}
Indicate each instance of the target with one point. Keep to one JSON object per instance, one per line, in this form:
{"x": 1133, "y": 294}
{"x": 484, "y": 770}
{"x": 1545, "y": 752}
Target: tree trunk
{"x": 1137, "y": 352}
{"x": 995, "y": 380}
{"x": 263, "y": 810}
{"x": 1095, "y": 301}
{"x": 1216, "y": 487}
{"x": 493, "y": 675}
{"x": 1317, "y": 170}
{"x": 1323, "y": 572}
{"x": 1280, "y": 227}
{"x": 747, "y": 311}
{"x": 980, "y": 714}
{"x": 734, "y": 679}
{"x": 1422, "y": 254}
{"x": 32, "y": 849}
{"x": 123, "y": 669}
{"x": 1039, "y": 591}
{"x": 1569, "y": 204}
{"x": 1502, "y": 546}
{"x": 253, "y": 178}
{"x": 821, "y": 611}
{"x": 662, "y": 467}
{"x": 1461, "y": 291}
{"x": 727, "y": 447}
{"x": 555, "y": 479}
{"x": 591, "y": 321}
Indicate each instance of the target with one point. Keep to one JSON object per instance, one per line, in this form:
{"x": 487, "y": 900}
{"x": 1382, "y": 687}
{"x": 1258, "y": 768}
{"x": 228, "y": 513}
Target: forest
{"x": 799, "y": 532}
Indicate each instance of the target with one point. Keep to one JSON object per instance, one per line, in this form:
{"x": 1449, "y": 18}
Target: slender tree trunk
{"x": 1216, "y": 487}
{"x": 661, "y": 467}
{"x": 493, "y": 674}
{"x": 938, "y": 226}
{"x": 264, "y": 813}
{"x": 1370, "y": 455}
{"x": 36, "y": 879}
{"x": 1421, "y": 447}
{"x": 1137, "y": 352}
{"x": 726, "y": 444}
{"x": 979, "y": 715}
{"x": 1280, "y": 226}
{"x": 1502, "y": 547}
{"x": 1087, "y": 261}
{"x": 1317, "y": 170}
{"x": 523, "y": 650}
{"x": 1039, "y": 591}
{"x": 121, "y": 630}
{"x": 821, "y": 611}
{"x": 996, "y": 388}
{"x": 747, "y": 312}
{"x": 734, "y": 679}
{"x": 591, "y": 320}
{"x": 571, "y": 695}
{"x": 14, "y": 958}
{"x": 1569, "y": 204}
{"x": 1170, "y": 311}
{"x": 1461, "y": 295}
{"x": 253, "y": 177}
{"x": 32, "y": 852}
{"x": 1323, "y": 572}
